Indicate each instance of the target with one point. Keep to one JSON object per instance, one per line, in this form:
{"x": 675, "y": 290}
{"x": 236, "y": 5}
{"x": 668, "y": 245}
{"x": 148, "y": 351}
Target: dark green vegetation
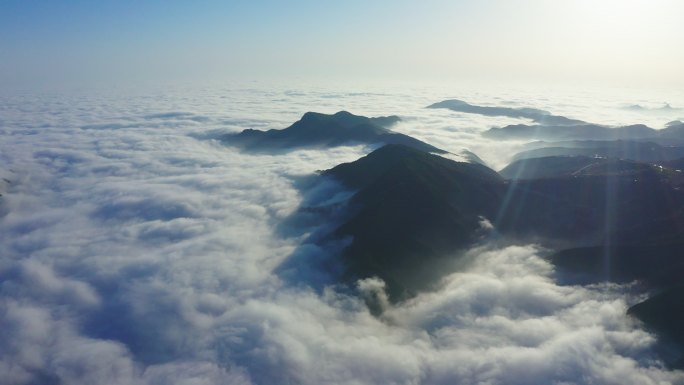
{"x": 321, "y": 130}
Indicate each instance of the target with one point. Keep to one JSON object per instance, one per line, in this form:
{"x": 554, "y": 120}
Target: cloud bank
{"x": 135, "y": 250}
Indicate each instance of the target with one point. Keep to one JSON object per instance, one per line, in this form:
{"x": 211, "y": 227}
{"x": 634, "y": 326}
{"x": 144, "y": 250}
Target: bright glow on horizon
{"x": 627, "y": 22}
{"x": 618, "y": 41}
{"x": 621, "y": 40}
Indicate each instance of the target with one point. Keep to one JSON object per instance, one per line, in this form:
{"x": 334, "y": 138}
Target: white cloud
{"x": 137, "y": 251}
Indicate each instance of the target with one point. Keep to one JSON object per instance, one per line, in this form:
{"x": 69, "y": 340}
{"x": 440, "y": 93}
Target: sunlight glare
{"x": 625, "y": 16}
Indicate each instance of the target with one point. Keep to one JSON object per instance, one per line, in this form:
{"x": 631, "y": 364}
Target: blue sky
{"x": 52, "y": 41}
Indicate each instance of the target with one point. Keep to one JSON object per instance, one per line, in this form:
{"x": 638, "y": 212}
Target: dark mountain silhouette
{"x": 612, "y": 201}
{"x": 611, "y": 197}
{"x": 545, "y": 167}
{"x": 574, "y": 132}
{"x": 555, "y": 127}
{"x": 622, "y": 145}
{"x": 664, "y": 314}
{"x": 322, "y": 130}
{"x": 537, "y": 115}
{"x": 673, "y": 131}
{"x": 412, "y": 211}
{"x": 471, "y": 157}
{"x": 645, "y": 151}
{"x": 657, "y": 265}
{"x": 645, "y": 245}
{"x": 665, "y": 108}
{"x": 559, "y": 166}
{"x": 677, "y": 164}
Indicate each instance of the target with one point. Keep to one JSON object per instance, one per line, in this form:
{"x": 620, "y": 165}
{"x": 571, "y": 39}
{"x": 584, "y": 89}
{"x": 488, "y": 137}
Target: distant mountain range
{"x": 576, "y": 165}
{"x": 322, "y": 130}
{"x": 673, "y": 131}
{"x": 570, "y": 132}
{"x": 640, "y": 151}
{"x": 555, "y": 127}
{"x": 537, "y": 115}
{"x": 665, "y": 107}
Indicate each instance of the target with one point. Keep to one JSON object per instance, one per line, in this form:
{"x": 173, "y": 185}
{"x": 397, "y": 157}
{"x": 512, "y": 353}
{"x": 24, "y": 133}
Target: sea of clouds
{"x": 135, "y": 248}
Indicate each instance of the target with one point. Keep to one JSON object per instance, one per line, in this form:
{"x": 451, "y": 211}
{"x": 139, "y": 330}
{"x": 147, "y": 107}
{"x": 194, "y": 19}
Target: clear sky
{"x": 130, "y": 40}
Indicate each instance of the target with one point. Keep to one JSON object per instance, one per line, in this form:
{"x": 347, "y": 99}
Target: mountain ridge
{"x": 322, "y": 130}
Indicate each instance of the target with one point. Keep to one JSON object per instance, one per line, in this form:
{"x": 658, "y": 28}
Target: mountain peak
{"x": 343, "y": 113}
{"x": 315, "y": 129}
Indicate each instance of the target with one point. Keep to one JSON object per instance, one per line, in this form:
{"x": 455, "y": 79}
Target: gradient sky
{"x": 81, "y": 41}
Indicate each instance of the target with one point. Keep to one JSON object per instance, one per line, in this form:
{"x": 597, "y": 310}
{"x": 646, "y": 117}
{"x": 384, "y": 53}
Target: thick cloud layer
{"x": 134, "y": 249}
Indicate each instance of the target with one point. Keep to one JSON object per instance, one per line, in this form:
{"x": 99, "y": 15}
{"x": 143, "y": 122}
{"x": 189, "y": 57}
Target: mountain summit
{"x": 322, "y": 130}
{"x": 413, "y": 212}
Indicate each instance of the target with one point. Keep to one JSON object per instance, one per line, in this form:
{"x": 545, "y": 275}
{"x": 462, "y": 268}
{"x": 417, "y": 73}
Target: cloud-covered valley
{"x": 136, "y": 249}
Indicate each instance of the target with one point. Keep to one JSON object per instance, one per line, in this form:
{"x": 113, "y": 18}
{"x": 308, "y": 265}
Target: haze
{"x": 624, "y": 42}
{"x": 250, "y": 192}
